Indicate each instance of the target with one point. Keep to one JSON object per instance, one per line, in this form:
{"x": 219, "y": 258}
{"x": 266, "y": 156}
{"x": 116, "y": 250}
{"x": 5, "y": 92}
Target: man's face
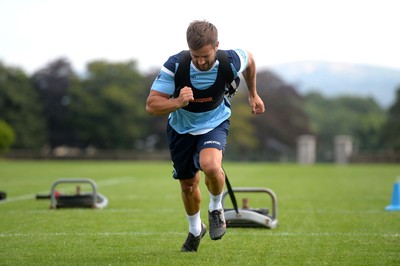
{"x": 204, "y": 58}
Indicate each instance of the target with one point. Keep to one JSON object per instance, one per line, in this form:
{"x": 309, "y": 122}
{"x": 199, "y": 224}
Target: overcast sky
{"x": 35, "y": 32}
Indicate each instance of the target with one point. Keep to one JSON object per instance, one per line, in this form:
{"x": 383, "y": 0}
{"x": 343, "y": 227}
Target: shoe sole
{"x": 203, "y": 233}
{"x": 217, "y": 237}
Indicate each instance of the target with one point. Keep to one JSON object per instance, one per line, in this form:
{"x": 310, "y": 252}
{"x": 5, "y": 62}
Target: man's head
{"x": 201, "y": 33}
{"x": 202, "y": 39}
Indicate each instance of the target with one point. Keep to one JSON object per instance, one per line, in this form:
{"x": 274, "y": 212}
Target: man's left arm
{"x": 249, "y": 75}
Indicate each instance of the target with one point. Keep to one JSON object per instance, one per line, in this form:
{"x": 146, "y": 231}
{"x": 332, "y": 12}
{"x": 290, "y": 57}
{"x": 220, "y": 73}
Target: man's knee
{"x": 189, "y": 185}
{"x": 211, "y": 167}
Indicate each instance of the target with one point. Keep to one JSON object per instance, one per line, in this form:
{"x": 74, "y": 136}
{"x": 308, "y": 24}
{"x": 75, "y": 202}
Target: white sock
{"x": 215, "y": 202}
{"x": 194, "y": 224}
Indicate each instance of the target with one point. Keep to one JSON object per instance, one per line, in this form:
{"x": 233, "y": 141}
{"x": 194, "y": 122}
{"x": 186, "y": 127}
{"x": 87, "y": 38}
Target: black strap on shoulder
{"x": 225, "y": 66}
{"x": 226, "y": 70}
{"x": 182, "y": 74}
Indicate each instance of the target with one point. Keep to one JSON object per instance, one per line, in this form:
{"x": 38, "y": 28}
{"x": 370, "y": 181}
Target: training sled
{"x": 250, "y": 217}
{"x": 79, "y": 200}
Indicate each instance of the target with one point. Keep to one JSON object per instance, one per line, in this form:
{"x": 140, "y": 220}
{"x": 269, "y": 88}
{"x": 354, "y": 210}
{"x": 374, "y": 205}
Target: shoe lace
{"x": 216, "y": 216}
{"x": 190, "y": 242}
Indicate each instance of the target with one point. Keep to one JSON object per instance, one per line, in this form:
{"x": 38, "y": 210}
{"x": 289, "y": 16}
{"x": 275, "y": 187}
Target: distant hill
{"x": 334, "y": 79}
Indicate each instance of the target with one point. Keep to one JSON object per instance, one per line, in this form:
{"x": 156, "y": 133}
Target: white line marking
{"x": 90, "y": 234}
{"x": 124, "y": 210}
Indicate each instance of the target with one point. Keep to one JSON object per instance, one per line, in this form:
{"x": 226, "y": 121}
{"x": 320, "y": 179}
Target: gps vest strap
{"x": 209, "y": 98}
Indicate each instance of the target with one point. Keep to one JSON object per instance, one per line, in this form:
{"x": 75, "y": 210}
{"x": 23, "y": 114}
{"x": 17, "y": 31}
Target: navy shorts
{"x": 185, "y": 148}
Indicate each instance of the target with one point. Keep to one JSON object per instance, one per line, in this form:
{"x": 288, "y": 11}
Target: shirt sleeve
{"x": 238, "y": 59}
{"x": 243, "y": 58}
{"x": 164, "y": 82}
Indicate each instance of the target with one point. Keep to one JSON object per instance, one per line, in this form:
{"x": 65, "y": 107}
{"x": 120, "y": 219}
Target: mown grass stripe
{"x": 241, "y": 232}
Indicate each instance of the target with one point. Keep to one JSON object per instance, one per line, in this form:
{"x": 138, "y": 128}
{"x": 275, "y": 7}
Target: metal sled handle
{"x": 265, "y": 190}
{"x": 53, "y": 201}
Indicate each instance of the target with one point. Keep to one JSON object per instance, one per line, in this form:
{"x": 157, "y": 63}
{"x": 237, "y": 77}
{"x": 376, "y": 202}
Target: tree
{"x": 361, "y": 118}
{"x": 7, "y": 136}
{"x": 53, "y": 83}
{"x": 391, "y": 129}
{"x": 241, "y": 141}
{"x": 21, "y": 109}
{"x": 109, "y": 107}
{"x": 285, "y": 118}
{"x": 157, "y": 125}
{"x": 272, "y": 135}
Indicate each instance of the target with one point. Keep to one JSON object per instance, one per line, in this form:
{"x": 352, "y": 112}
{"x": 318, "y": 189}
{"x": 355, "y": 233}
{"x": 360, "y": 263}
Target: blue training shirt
{"x": 184, "y": 121}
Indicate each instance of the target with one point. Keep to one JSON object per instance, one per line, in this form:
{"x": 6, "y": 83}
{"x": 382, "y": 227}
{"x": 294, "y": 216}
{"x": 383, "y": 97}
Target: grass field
{"x": 328, "y": 215}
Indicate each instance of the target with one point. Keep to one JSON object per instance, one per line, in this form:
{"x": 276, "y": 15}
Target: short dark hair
{"x": 201, "y": 33}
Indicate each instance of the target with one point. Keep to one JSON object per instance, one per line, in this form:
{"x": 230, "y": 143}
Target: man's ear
{"x": 216, "y": 45}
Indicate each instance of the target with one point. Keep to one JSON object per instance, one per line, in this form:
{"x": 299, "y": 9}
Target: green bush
{"x": 7, "y": 136}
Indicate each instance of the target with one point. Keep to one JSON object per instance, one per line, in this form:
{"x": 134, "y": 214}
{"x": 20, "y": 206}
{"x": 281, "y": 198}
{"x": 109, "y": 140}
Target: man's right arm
{"x": 162, "y": 104}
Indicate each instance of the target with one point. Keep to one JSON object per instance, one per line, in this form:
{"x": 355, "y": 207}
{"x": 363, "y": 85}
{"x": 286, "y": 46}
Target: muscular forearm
{"x": 161, "y": 104}
{"x": 158, "y": 105}
{"x": 249, "y": 75}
